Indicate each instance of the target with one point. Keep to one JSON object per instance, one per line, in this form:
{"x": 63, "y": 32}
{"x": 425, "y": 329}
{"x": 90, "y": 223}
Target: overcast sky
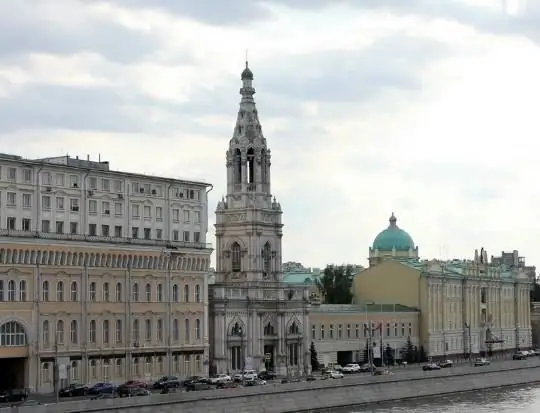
{"x": 428, "y": 109}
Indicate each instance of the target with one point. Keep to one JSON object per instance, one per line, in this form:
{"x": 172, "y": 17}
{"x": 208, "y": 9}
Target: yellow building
{"x": 105, "y": 312}
{"x": 341, "y": 332}
{"x": 466, "y": 306}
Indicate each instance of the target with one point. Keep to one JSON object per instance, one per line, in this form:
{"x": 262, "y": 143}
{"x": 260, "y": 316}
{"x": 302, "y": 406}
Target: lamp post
{"x": 369, "y": 337}
{"x": 468, "y": 333}
{"x": 238, "y": 331}
{"x": 56, "y": 369}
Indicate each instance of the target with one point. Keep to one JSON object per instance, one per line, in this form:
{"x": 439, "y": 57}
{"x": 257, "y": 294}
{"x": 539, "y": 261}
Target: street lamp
{"x": 238, "y": 331}
{"x": 468, "y": 335}
{"x": 369, "y": 337}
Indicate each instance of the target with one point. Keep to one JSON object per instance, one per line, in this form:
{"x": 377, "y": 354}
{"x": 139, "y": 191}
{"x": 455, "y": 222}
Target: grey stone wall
{"x": 304, "y": 397}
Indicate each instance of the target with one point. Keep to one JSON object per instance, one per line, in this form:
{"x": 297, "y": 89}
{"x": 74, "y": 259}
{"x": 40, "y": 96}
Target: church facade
{"x": 256, "y": 320}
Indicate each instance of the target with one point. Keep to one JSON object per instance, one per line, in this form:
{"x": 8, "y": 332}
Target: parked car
{"x": 13, "y": 395}
{"x": 101, "y": 388}
{"x": 247, "y": 374}
{"x": 311, "y": 378}
{"x": 254, "y": 381}
{"x": 333, "y": 374}
{"x": 220, "y": 379}
{"x": 138, "y": 391}
{"x": 519, "y": 356}
{"x": 195, "y": 379}
{"x": 446, "y": 364}
{"x": 74, "y": 389}
{"x": 481, "y": 362}
{"x": 351, "y": 368}
{"x": 197, "y": 384}
{"x": 167, "y": 382}
{"x": 365, "y": 367}
{"x": 124, "y": 390}
{"x": 430, "y": 366}
{"x": 267, "y": 375}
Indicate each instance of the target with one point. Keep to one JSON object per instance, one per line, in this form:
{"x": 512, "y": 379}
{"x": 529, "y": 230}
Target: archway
{"x": 13, "y": 355}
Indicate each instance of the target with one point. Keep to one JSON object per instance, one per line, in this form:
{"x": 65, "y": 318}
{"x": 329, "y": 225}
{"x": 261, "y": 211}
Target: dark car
{"x": 431, "y": 366}
{"x": 197, "y": 384}
{"x": 167, "y": 382}
{"x": 72, "y": 390}
{"x": 14, "y": 395}
{"x": 519, "y": 356}
{"x": 311, "y": 378}
{"x": 125, "y": 390}
{"x": 101, "y": 388}
{"x": 137, "y": 391}
{"x": 267, "y": 375}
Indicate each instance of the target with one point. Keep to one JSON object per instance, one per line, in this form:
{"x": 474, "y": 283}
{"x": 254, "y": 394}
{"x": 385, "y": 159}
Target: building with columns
{"x": 255, "y": 319}
{"x": 101, "y": 272}
{"x": 466, "y": 305}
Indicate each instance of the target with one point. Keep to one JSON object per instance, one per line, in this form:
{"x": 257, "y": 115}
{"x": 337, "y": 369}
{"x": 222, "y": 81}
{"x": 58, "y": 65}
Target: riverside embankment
{"x": 311, "y": 396}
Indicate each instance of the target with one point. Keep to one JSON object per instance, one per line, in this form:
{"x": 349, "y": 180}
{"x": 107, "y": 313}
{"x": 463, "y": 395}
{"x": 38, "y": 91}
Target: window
{"x": 147, "y": 212}
{"x": 92, "y": 182}
{"x": 147, "y": 188}
{"x": 186, "y": 331}
{"x": 60, "y": 291}
{"x": 59, "y": 227}
{"x": 196, "y": 237}
{"x": 135, "y": 211}
{"x": 410, "y": 329}
{"x": 118, "y": 331}
{"x": 186, "y": 217}
{"x": 403, "y": 329}
{"x": 118, "y": 293}
{"x": 136, "y": 331}
{"x": 176, "y": 330}
{"x": 135, "y": 187}
{"x": 160, "y": 293}
{"x": 236, "y": 258}
{"x": 92, "y": 332}
{"x": 186, "y": 236}
{"x": 12, "y": 334}
{"x": 106, "y": 185}
{"x": 12, "y": 290}
{"x": 26, "y": 224}
{"x": 27, "y": 201}
{"x": 197, "y": 329}
{"x": 134, "y": 232}
{"x": 92, "y": 230}
{"x": 267, "y": 258}
{"x": 331, "y": 331}
{"x": 106, "y": 292}
{"x": 45, "y": 373}
{"x": 313, "y": 331}
{"x": 136, "y": 368}
{"x": 135, "y": 292}
{"x": 60, "y": 203}
{"x": 74, "y": 332}
{"x": 118, "y": 207}
{"x": 197, "y": 293}
{"x": 148, "y": 293}
{"x": 46, "y": 333}
{"x": 59, "y": 332}
{"x": 159, "y": 234}
{"x": 147, "y": 233}
{"x": 106, "y": 331}
{"x": 148, "y": 329}
{"x": 118, "y": 231}
{"x": 348, "y": 331}
{"x": 73, "y": 227}
{"x": 22, "y": 290}
{"x": 322, "y": 331}
{"x": 45, "y": 291}
{"x": 1, "y": 290}
{"x": 175, "y": 293}
{"x": 45, "y": 225}
{"x": 176, "y": 215}
{"x": 92, "y": 291}
{"x": 92, "y": 206}
{"x": 357, "y": 330}
{"x": 60, "y": 180}
{"x": 27, "y": 175}
{"x": 12, "y": 223}
{"x": 106, "y": 208}
{"x": 159, "y": 213}
{"x": 11, "y": 199}
{"x": 160, "y": 330}
{"x": 176, "y": 235}
{"x": 387, "y": 329}
{"x": 395, "y": 330}
{"x": 197, "y": 217}
{"x": 186, "y": 293}
{"x": 118, "y": 186}
{"x": 105, "y": 231}
{"x": 74, "y": 292}
{"x": 12, "y": 174}
{"x": 118, "y": 368}
{"x": 74, "y": 205}
{"x": 46, "y": 202}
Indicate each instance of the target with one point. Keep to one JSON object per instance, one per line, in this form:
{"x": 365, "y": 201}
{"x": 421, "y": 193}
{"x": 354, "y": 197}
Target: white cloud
{"x": 428, "y": 113}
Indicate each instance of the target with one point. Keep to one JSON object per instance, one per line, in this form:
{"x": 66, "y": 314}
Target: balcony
{"x": 105, "y": 240}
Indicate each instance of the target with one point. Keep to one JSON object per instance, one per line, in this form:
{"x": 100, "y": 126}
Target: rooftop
{"x": 363, "y": 308}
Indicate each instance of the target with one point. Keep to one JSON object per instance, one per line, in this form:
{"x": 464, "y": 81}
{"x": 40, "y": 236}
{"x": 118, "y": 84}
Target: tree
{"x": 366, "y": 353}
{"x": 336, "y": 284}
{"x": 389, "y": 355}
{"x": 422, "y": 355}
{"x": 410, "y": 355}
{"x": 314, "y": 358}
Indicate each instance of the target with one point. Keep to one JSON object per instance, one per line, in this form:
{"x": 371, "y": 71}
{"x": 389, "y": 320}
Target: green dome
{"x": 393, "y": 237}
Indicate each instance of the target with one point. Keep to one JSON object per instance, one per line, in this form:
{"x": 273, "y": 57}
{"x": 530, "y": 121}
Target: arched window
{"x": 136, "y": 368}
{"x": 251, "y": 168}
{"x": 148, "y": 293}
{"x": 197, "y": 293}
{"x": 186, "y": 331}
{"x": 175, "y": 297}
{"x": 45, "y": 290}
{"x": 118, "y": 292}
{"x": 237, "y": 167}
{"x": 267, "y": 258}
{"x": 74, "y": 291}
{"x": 92, "y": 332}
{"x": 135, "y": 293}
{"x": 136, "y": 332}
{"x": 118, "y": 331}
{"x": 148, "y": 329}
{"x": 293, "y": 329}
{"x": 106, "y": 330}
{"x": 236, "y": 258}
{"x": 269, "y": 330}
{"x": 92, "y": 292}
{"x": 12, "y": 290}
{"x": 264, "y": 166}
{"x": 176, "y": 330}
{"x": 2, "y": 290}
{"x": 74, "y": 370}
{"x": 59, "y": 332}
{"x": 186, "y": 293}
{"x": 197, "y": 363}
{"x": 106, "y": 292}
{"x": 74, "y": 332}
{"x": 197, "y": 329}
{"x": 12, "y": 334}
{"x": 22, "y": 290}
{"x": 160, "y": 293}
{"x": 60, "y": 291}
{"x": 45, "y": 332}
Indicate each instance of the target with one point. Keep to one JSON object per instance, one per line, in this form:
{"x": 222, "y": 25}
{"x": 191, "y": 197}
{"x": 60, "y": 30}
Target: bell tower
{"x": 256, "y": 320}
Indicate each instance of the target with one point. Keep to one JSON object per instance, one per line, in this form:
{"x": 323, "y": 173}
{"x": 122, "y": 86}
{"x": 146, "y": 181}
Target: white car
{"x": 220, "y": 379}
{"x": 351, "y": 368}
{"x": 335, "y": 374}
{"x": 247, "y": 375}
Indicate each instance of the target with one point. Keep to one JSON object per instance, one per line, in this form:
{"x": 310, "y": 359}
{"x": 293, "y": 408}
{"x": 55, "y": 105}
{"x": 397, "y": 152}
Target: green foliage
{"x": 314, "y": 359}
{"x": 410, "y": 353}
{"x": 336, "y": 283}
{"x": 389, "y": 355}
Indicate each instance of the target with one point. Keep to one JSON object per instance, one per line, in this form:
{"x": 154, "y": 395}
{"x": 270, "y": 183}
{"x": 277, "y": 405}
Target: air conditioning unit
{"x": 181, "y": 194}
{"x": 90, "y": 193}
{"x": 120, "y": 196}
{"x": 107, "y": 212}
{"x": 141, "y": 190}
{"x": 48, "y": 189}
{"x": 75, "y": 185}
{"x": 154, "y": 192}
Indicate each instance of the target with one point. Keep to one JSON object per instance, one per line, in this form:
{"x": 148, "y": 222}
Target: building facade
{"x": 102, "y": 273}
{"x": 466, "y": 306}
{"x": 256, "y": 319}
